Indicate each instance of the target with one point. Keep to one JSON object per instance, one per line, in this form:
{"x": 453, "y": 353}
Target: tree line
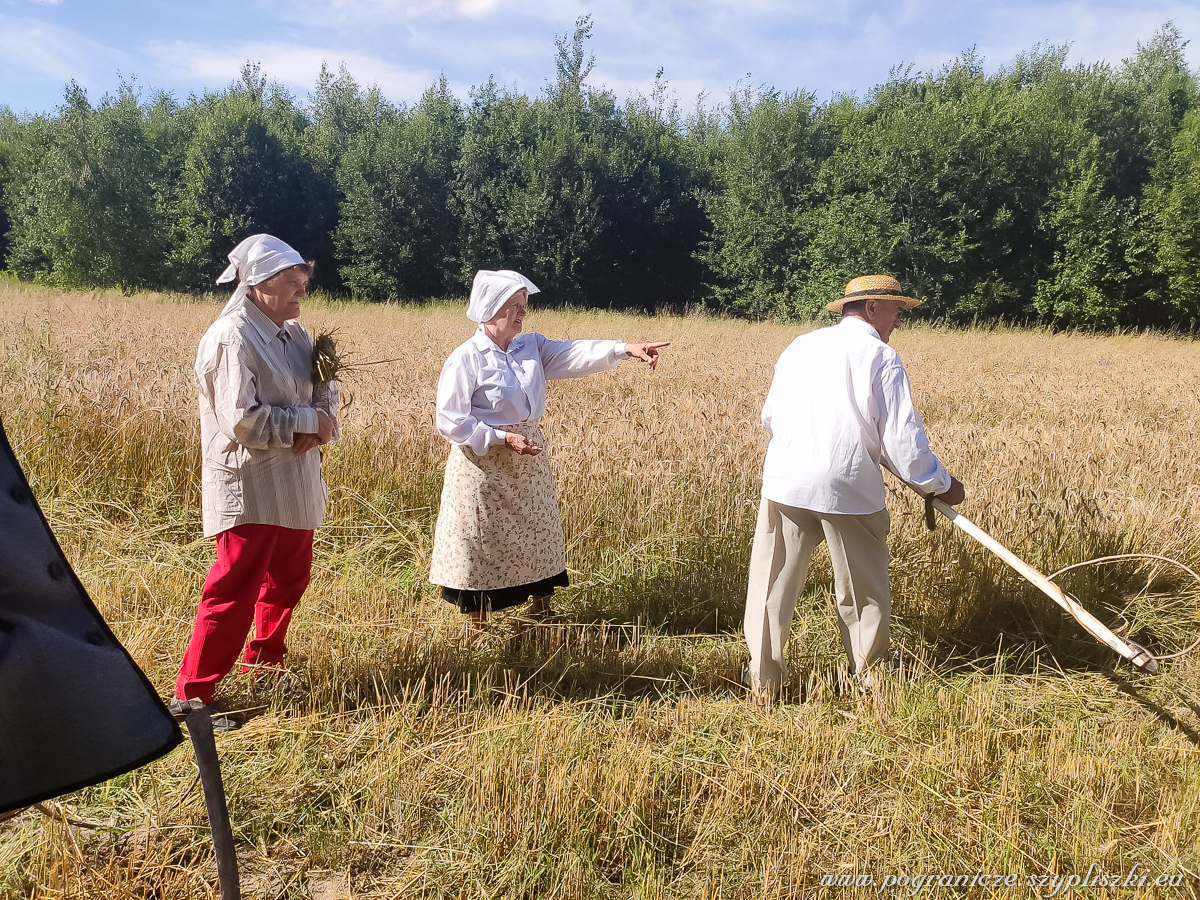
{"x": 1044, "y": 193}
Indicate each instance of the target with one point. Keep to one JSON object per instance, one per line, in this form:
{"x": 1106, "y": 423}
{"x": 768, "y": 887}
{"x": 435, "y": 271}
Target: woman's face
{"x": 507, "y": 322}
{"x": 279, "y": 296}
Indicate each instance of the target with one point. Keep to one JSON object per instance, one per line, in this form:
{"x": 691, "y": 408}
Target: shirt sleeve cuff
{"x": 306, "y": 420}
{"x": 939, "y": 483}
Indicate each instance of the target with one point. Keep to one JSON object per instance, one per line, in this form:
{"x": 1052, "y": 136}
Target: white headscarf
{"x": 253, "y": 261}
{"x": 491, "y": 290}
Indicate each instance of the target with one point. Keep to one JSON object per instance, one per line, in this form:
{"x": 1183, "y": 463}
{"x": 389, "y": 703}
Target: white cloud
{"x": 1096, "y": 31}
{"x": 704, "y": 46}
{"x": 293, "y": 65}
{"x": 852, "y": 46}
{"x": 379, "y": 11}
{"x": 477, "y": 9}
{"x": 708, "y": 46}
{"x": 446, "y": 9}
{"x": 29, "y": 45}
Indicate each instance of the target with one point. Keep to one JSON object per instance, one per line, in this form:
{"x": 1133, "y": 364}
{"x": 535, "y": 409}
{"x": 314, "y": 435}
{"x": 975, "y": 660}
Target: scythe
{"x": 1135, "y": 653}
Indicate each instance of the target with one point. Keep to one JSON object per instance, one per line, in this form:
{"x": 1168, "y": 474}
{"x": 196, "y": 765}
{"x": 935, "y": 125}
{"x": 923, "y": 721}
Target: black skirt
{"x": 503, "y": 598}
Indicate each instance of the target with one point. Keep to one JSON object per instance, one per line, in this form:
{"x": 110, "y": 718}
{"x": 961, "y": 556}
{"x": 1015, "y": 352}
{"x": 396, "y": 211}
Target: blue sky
{"x": 705, "y": 47}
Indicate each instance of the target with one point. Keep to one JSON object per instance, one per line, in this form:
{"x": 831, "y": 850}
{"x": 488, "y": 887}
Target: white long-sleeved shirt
{"x": 483, "y": 388}
{"x": 840, "y": 404}
{"x": 256, "y": 395}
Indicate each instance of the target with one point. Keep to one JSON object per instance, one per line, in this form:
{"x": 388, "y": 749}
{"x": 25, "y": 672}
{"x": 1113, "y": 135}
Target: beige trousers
{"x": 784, "y": 540}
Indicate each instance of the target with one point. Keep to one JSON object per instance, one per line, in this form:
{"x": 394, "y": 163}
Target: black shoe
{"x": 179, "y": 709}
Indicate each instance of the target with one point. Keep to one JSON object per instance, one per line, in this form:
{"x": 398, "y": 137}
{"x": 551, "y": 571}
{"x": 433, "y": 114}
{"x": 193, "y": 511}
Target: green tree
{"x": 946, "y": 177}
{"x": 247, "y": 171}
{"x": 1173, "y": 201}
{"x": 9, "y": 129}
{"x": 651, "y": 177}
{"x": 939, "y": 180}
{"x": 764, "y": 176}
{"x": 1106, "y": 221}
{"x": 339, "y": 112}
{"x": 1088, "y": 283}
{"x": 1039, "y": 192}
{"x": 526, "y": 185}
{"x": 397, "y": 233}
{"x": 596, "y": 202}
{"x": 84, "y": 195}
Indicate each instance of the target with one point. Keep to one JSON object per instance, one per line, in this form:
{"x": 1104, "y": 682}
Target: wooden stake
{"x": 199, "y": 726}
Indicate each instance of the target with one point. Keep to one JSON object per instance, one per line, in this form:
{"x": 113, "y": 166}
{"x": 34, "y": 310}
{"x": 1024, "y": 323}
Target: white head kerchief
{"x": 491, "y": 290}
{"x": 255, "y": 260}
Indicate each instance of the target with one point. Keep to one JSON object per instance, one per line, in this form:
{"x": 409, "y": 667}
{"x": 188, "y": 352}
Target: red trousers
{"x": 259, "y": 576}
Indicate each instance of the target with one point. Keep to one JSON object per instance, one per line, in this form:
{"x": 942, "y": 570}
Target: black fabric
{"x": 75, "y": 709}
{"x": 503, "y": 598}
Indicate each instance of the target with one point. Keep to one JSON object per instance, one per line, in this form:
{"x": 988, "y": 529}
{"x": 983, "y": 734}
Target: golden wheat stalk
{"x": 327, "y": 363}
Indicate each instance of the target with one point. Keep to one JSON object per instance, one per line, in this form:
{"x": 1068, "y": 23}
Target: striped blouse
{"x": 256, "y": 395}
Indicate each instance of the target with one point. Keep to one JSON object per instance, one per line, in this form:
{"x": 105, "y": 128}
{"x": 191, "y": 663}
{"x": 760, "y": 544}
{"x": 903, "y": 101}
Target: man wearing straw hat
{"x": 839, "y": 407}
{"x": 262, "y": 491}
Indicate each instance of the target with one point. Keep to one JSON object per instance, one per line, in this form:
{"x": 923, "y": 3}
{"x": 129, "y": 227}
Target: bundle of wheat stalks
{"x": 327, "y": 363}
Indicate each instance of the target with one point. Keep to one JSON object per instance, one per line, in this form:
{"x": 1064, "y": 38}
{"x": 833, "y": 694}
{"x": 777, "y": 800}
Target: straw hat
{"x": 873, "y": 287}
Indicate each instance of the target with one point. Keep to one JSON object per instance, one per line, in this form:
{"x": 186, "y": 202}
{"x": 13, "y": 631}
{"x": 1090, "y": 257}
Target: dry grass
{"x": 618, "y": 758}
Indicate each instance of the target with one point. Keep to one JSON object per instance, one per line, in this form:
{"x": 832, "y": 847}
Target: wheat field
{"x": 616, "y": 756}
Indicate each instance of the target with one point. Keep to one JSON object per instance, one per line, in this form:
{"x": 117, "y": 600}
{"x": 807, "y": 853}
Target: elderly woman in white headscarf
{"x": 499, "y": 538}
{"x": 261, "y": 486}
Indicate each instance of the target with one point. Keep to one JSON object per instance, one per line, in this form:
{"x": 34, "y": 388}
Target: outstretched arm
{"x": 571, "y": 359}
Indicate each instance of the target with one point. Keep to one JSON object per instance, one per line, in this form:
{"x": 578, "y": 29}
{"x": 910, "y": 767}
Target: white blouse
{"x": 483, "y": 388}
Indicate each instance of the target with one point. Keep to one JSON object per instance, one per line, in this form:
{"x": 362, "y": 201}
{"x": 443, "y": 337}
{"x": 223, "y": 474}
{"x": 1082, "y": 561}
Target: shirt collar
{"x": 262, "y": 321}
{"x": 862, "y": 324}
{"x": 483, "y": 343}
